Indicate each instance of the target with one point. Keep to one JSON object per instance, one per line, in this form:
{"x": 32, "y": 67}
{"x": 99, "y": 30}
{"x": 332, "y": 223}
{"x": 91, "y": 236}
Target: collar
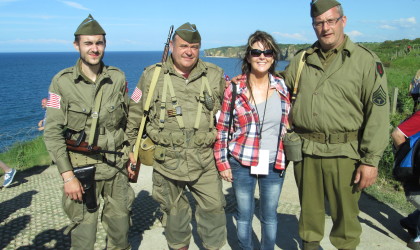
{"x": 275, "y": 82}
{"x": 199, "y": 69}
{"x": 78, "y": 75}
{"x": 346, "y": 48}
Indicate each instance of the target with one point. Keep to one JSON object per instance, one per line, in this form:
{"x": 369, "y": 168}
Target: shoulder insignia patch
{"x": 380, "y": 68}
{"x": 379, "y": 97}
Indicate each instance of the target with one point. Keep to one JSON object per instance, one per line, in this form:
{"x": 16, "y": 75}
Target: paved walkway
{"x": 31, "y": 217}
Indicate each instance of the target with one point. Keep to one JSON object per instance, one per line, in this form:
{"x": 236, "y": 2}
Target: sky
{"x": 138, "y": 25}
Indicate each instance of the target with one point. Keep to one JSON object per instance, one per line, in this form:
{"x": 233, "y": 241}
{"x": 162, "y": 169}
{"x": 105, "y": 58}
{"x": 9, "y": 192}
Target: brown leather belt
{"x": 332, "y": 138}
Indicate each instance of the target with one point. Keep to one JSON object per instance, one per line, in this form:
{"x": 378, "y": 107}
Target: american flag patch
{"x": 136, "y": 96}
{"x": 53, "y": 101}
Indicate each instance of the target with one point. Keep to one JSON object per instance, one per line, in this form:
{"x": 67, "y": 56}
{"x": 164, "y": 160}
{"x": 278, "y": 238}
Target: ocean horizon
{"x": 27, "y": 76}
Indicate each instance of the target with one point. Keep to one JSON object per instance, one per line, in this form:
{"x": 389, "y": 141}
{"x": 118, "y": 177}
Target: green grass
{"x": 400, "y": 71}
{"x": 391, "y": 193}
{"x": 25, "y": 155}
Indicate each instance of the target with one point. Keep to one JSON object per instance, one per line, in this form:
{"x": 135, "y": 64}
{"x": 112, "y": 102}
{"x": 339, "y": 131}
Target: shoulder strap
{"x": 204, "y": 84}
{"x": 296, "y": 85}
{"x": 146, "y": 108}
{"x": 232, "y": 107}
{"x": 177, "y": 111}
{"x": 95, "y": 116}
{"x": 299, "y": 71}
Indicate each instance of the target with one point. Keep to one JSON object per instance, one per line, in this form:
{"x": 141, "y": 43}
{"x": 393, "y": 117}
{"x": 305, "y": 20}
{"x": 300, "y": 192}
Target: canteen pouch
{"x": 146, "y": 151}
{"x": 86, "y": 176}
{"x": 292, "y": 146}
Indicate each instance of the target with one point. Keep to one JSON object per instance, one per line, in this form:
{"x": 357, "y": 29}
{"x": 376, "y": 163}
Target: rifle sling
{"x": 296, "y": 85}
{"x": 155, "y": 77}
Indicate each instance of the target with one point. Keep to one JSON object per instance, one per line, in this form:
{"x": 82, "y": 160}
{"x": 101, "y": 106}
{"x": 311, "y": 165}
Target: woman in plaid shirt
{"x": 254, "y": 153}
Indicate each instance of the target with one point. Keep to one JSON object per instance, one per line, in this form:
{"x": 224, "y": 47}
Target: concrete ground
{"x": 31, "y": 217}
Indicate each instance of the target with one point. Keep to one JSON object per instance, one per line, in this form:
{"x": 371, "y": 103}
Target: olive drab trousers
{"x": 332, "y": 178}
{"x": 118, "y": 196}
{"x": 210, "y": 215}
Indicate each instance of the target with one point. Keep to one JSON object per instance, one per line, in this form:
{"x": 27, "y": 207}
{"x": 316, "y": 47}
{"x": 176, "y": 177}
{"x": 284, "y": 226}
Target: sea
{"x": 25, "y": 78}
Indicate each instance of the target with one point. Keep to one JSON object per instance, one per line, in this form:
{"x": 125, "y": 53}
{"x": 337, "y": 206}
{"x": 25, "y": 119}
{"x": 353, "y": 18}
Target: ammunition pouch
{"x": 80, "y": 159}
{"x": 86, "y": 176}
{"x": 187, "y": 138}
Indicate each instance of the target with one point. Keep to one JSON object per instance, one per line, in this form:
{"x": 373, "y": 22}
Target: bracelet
{"x": 69, "y": 179}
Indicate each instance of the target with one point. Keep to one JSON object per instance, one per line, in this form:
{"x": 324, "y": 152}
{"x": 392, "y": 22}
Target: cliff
{"x": 287, "y": 51}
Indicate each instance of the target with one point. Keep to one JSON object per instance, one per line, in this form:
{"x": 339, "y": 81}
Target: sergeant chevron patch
{"x": 379, "y": 97}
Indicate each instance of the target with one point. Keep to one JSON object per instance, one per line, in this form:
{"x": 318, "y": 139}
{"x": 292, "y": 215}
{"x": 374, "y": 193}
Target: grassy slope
{"x": 401, "y": 67}
{"x": 26, "y": 155}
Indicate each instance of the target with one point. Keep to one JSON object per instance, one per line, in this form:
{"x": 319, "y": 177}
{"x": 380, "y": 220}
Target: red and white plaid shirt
{"x": 245, "y": 142}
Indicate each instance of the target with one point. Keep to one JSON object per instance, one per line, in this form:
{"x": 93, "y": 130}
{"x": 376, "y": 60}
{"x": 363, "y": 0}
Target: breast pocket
{"x": 117, "y": 114}
{"x": 243, "y": 117}
{"x": 77, "y": 116}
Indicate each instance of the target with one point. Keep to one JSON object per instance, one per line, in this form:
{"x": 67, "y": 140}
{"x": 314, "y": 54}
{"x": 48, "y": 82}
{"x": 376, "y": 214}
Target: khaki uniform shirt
{"x": 182, "y": 154}
{"x": 350, "y": 95}
{"x": 74, "y": 97}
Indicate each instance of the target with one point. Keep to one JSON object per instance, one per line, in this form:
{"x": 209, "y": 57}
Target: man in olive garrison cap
{"x": 89, "y": 100}
{"x": 180, "y": 122}
{"x": 341, "y": 113}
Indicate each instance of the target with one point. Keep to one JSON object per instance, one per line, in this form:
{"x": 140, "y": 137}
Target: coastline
{"x": 220, "y": 56}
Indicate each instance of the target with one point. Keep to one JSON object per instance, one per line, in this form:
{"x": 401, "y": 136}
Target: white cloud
{"x": 406, "y": 22}
{"x": 354, "y": 33}
{"x": 36, "y": 41}
{"x": 399, "y": 23}
{"x": 75, "y": 5}
{"x": 294, "y": 36}
{"x": 387, "y": 27}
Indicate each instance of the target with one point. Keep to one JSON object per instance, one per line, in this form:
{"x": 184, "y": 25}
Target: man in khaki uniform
{"x": 341, "y": 114}
{"x": 74, "y": 95}
{"x": 181, "y": 124}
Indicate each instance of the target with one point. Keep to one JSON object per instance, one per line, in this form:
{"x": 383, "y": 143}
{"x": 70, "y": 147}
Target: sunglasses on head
{"x": 257, "y": 52}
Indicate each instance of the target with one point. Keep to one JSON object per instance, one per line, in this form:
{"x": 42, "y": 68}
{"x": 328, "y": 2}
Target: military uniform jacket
{"x": 181, "y": 154}
{"x": 351, "y": 95}
{"x": 70, "y": 105}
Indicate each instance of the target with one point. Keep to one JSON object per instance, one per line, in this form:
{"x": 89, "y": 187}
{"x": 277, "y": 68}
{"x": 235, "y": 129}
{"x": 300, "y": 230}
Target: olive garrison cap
{"x": 89, "y": 26}
{"x": 320, "y": 6}
{"x": 189, "y": 33}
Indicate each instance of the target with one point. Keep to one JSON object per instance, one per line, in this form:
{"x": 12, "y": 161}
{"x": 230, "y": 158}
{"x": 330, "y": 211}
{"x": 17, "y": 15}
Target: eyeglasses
{"x": 257, "y": 52}
{"x": 330, "y": 22}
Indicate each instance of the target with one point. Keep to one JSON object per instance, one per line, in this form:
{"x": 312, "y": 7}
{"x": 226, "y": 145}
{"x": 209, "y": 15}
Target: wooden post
{"x": 394, "y": 103}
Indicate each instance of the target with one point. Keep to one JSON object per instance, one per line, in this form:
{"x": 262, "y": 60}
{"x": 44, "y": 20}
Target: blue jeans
{"x": 244, "y": 187}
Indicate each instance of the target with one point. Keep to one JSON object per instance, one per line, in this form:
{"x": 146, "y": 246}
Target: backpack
{"x": 407, "y": 159}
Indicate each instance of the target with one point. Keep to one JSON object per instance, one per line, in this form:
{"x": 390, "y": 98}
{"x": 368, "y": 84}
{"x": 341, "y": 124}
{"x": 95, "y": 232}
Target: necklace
{"x": 265, "y": 107}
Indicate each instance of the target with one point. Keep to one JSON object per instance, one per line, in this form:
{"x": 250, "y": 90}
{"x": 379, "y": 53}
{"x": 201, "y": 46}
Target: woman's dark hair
{"x": 269, "y": 43}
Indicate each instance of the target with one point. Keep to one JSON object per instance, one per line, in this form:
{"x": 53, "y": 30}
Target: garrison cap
{"x": 189, "y": 33}
{"x": 89, "y": 26}
{"x": 320, "y": 6}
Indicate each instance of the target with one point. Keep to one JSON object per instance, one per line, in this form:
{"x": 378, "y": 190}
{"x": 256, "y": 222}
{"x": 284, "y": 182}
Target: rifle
{"x": 83, "y": 147}
{"x": 136, "y": 168}
{"x": 166, "y": 49}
